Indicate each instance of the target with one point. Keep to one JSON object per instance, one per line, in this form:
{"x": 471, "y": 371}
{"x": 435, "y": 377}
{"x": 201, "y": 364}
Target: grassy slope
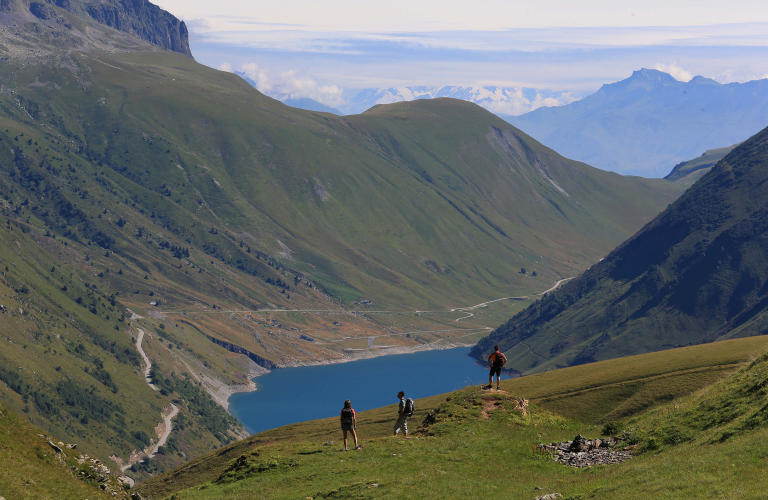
{"x": 583, "y": 393}
{"x": 690, "y": 171}
{"x": 694, "y": 274}
{"x": 30, "y": 469}
{"x": 194, "y": 158}
{"x": 362, "y": 219}
{"x": 474, "y": 458}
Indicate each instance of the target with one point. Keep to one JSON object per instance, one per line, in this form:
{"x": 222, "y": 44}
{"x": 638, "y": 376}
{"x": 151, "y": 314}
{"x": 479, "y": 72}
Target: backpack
{"x": 347, "y": 416}
{"x": 499, "y": 360}
{"x": 409, "y": 408}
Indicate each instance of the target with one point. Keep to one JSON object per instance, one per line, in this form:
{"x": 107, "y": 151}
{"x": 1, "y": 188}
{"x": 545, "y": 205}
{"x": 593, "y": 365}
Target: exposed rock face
{"x": 41, "y": 11}
{"x": 143, "y": 19}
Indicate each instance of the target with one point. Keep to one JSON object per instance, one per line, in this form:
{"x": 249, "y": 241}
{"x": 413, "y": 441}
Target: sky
{"x": 328, "y": 50}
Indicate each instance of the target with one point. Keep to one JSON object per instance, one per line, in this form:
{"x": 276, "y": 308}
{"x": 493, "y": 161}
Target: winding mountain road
{"x": 167, "y": 419}
{"x": 147, "y": 362}
{"x": 167, "y": 432}
{"x": 484, "y": 304}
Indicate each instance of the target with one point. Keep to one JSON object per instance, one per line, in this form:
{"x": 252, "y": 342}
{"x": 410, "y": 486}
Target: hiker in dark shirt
{"x": 496, "y": 361}
{"x": 348, "y": 423}
{"x": 402, "y": 416}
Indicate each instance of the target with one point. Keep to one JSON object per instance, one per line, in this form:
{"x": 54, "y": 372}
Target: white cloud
{"x": 225, "y": 66}
{"x": 440, "y": 15}
{"x": 259, "y": 76}
{"x": 290, "y": 84}
{"x": 517, "y": 104}
{"x": 675, "y": 71}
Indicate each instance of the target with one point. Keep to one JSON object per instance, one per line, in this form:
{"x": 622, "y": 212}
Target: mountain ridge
{"x": 692, "y": 170}
{"x": 66, "y": 22}
{"x": 643, "y": 124}
{"x": 510, "y": 100}
{"x": 694, "y": 274}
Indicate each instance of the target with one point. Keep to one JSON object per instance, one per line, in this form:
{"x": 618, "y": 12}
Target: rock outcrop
{"x": 139, "y": 18}
{"x": 143, "y": 19}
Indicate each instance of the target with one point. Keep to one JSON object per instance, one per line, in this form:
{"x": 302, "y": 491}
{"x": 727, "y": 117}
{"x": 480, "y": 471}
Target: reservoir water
{"x": 290, "y": 395}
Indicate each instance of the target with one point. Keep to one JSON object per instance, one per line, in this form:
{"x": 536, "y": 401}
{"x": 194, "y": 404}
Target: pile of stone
{"x": 583, "y": 452}
{"x": 89, "y": 469}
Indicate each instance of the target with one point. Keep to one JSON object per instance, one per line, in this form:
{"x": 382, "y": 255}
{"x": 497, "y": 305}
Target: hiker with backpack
{"x": 348, "y": 423}
{"x": 496, "y": 361}
{"x": 404, "y": 410}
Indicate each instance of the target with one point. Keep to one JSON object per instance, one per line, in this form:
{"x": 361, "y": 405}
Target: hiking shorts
{"x": 402, "y": 423}
{"x": 496, "y": 370}
{"x": 347, "y": 427}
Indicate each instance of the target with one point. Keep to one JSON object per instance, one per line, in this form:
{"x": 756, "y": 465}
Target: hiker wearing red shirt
{"x": 348, "y": 424}
{"x": 496, "y": 361}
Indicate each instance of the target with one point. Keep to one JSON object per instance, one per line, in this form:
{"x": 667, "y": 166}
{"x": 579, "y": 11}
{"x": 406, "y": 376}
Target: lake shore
{"x": 315, "y": 390}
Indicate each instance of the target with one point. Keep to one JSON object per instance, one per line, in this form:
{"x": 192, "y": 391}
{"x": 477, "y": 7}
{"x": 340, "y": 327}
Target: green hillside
{"x": 690, "y": 171}
{"x": 143, "y": 192}
{"x": 478, "y": 443}
{"x": 696, "y": 273}
{"x": 34, "y": 470}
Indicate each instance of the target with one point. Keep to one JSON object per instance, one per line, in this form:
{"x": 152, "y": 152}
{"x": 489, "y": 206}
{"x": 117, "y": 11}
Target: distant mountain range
{"x": 697, "y": 273}
{"x": 638, "y": 126}
{"x": 644, "y": 124}
{"x": 497, "y": 100}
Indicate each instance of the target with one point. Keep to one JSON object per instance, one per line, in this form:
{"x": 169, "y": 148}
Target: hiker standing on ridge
{"x": 404, "y": 410}
{"x": 496, "y": 361}
{"x": 348, "y": 424}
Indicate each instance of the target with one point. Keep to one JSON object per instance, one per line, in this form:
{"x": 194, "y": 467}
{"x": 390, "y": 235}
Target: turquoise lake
{"x": 290, "y": 395}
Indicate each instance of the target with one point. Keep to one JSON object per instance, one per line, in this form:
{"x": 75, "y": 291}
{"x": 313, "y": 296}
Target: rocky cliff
{"x": 143, "y": 19}
{"x": 61, "y": 22}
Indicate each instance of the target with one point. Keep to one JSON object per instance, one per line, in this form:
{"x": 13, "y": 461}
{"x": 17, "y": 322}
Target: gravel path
{"x": 167, "y": 418}
{"x": 147, "y": 362}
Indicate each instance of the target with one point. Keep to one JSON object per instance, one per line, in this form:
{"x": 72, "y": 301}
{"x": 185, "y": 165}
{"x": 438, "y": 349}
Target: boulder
{"x": 579, "y": 443}
{"x": 549, "y": 496}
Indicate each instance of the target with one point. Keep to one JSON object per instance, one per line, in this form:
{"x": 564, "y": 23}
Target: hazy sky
{"x": 317, "y": 49}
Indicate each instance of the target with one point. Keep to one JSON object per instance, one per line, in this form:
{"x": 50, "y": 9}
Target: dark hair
{"x": 347, "y": 404}
{"x": 496, "y": 347}
{"x": 401, "y": 393}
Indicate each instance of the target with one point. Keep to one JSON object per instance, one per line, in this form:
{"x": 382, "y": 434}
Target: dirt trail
{"x": 167, "y": 432}
{"x": 147, "y": 362}
{"x": 484, "y": 304}
{"x": 167, "y": 419}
